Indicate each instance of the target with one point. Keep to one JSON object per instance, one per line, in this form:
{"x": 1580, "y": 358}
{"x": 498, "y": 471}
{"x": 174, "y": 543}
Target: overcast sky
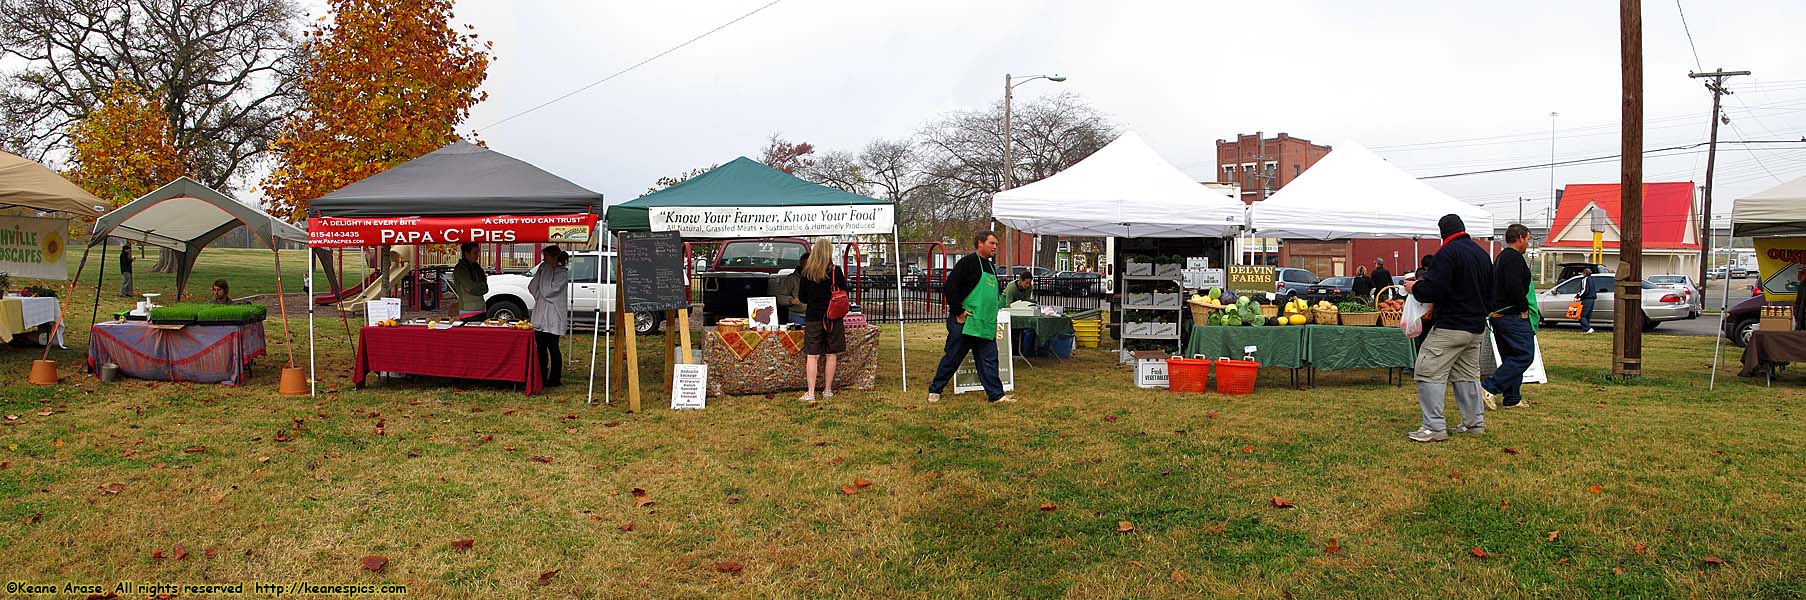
{"x": 1183, "y": 74}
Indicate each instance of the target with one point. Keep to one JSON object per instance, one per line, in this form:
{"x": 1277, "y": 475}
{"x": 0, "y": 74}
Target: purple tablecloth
{"x": 198, "y": 353}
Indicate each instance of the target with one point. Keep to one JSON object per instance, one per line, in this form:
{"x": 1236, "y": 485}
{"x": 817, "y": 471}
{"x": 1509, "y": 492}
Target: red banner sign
{"x": 337, "y": 232}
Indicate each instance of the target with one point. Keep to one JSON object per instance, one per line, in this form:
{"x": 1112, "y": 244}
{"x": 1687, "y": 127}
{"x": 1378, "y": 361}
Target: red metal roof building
{"x": 1670, "y": 226}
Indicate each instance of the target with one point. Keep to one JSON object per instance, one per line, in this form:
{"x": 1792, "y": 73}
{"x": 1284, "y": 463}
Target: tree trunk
{"x": 166, "y": 261}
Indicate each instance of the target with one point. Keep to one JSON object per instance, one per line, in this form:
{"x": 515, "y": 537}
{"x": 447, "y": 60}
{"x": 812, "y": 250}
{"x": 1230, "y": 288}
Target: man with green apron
{"x": 972, "y": 303}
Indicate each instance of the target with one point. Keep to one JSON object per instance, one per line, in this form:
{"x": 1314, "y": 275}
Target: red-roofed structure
{"x": 1670, "y": 226}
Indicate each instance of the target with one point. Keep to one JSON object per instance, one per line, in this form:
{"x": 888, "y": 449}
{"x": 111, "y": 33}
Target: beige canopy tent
{"x": 26, "y": 184}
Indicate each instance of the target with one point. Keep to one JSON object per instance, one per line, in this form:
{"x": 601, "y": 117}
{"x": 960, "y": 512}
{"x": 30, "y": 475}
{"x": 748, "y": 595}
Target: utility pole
{"x": 1009, "y": 236}
{"x": 1716, "y": 86}
{"x": 1627, "y": 332}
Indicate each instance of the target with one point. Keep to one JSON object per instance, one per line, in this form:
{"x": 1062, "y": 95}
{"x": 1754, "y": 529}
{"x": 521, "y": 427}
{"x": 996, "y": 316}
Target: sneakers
{"x": 1005, "y": 398}
{"x": 806, "y": 398}
{"x": 1589, "y": 330}
{"x": 1425, "y": 435}
{"x": 1474, "y": 429}
{"x": 1519, "y": 404}
{"x": 827, "y": 394}
{"x": 1492, "y": 400}
{"x": 933, "y": 397}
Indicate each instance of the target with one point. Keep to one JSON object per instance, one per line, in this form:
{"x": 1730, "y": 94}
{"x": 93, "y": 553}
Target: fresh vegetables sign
{"x": 33, "y": 247}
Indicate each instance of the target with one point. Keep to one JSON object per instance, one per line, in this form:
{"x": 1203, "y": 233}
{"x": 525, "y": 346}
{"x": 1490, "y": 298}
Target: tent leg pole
{"x": 897, "y": 263}
{"x": 62, "y": 308}
{"x": 94, "y": 315}
{"x": 608, "y": 370}
{"x": 1724, "y": 307}
{"x": 288, "y": 338}
{"x": 595, "y": 330}
{"x": 312, "y": 385}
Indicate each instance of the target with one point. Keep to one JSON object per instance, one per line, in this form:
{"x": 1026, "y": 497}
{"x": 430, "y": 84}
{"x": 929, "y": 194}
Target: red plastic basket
{"x": 1236, "y": 377}
{"x": 1188, "y": 375}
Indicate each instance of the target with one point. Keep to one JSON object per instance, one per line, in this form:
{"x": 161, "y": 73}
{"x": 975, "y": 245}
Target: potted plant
{"x": 175, "y": 314}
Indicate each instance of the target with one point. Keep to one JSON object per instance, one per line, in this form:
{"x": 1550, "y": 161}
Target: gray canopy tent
{"x": 183, "y": 217}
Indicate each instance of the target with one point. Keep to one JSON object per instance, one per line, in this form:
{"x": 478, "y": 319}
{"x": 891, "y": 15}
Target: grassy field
{"x": 1085, "y": 489}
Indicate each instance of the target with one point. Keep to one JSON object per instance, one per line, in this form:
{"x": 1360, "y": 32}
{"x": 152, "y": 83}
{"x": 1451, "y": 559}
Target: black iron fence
{"x": 922, "y": 300}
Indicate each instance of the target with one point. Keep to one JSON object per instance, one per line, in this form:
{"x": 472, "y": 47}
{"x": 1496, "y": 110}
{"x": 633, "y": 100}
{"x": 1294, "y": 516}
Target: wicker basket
{"x": 1323, "y": 317}
{"x": 727, "y": 328}
{"x": 1200, "y": 314}
{"x": 1269, "y": 310}
{"x": 1391, "y": 292}
{"x": 1391, "y": 318}
{"x": 1366, "y": 319}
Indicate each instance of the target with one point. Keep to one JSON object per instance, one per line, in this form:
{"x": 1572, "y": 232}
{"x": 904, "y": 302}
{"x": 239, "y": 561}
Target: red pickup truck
{"x": 746, "y": 269}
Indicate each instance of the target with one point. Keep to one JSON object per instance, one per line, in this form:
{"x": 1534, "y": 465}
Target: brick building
{"x": 1247, "y": 161}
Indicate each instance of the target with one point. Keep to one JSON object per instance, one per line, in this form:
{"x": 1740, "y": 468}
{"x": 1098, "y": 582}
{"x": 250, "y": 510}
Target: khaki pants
{"x": 1449, "y": 355}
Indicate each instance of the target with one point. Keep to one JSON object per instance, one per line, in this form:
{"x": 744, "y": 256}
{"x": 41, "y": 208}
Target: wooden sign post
{"x": 652, "y": 282}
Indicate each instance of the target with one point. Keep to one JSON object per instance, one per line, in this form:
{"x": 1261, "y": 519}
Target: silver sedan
{"x": 1660, "y": 304}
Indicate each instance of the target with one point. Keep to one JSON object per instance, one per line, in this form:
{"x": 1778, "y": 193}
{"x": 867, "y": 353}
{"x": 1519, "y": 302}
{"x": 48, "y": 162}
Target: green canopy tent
{"x": 745, "y": 198}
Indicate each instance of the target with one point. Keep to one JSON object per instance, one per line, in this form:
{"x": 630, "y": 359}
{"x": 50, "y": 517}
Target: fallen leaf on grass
{"x": 156, "y": 555}
{"x": 1215, "y": 528}
{"x": 570, "y": 430}
{"x": 728, "y": 567}
{"x": 1279, "y": 502}
{"x": 546, "y": 577}
{"x": 1048, "y": 507}
{"x": 12, "y": 417}
{"x": 1639, "y": 549}
{"x": 819, "y": 443}
{"x": 1511, "y": 450}
{"x": 848, "y": 490}
{"x": 543, "y": 459}
{"x": 571, "y": 416}
{"x": 1455, "y": 474}
{"x": 837, "y": 460}
{"x": 263, "y": 459}
{"x": 733, "y": 499}
{"x": 1595, "y": 489}
{"x": 1248, "y": 449}
{"x": 46, "y": 413}
{"x": 112, "y": 489}
{"x": 641, "y": 498}
{"x": 509, "y": 411}
{"x": 1333, "y": 547}
{"x": 1478, "y": 552}
{"x": 628, "y": 526}
{"x": 282, "y": 436}
{"x": 209, "y": 553}
{"x": 1109, "y": 417}
{"x": 862, "y": 483}
{"x": 1178, "y": 577}
{"x": 181, "y": 552}
{"x": 1504, "y": 504}
{"x": 34, "y": 518}
{"x": 127, "y": 453}
{"x": 1713, "y": 560}
{"x": 1210, "y": 415}
{"x": 1619, "y": 571}
{"x": 59, "y": 442}
{"x": 611, "y": 424}
{"x": 463, "y": 544}
{"x": 508, "y": 448}
{"x": 1554, "y": 534}
{"x": 1124, "y": 527}
{"x": 195, "y": 449}
{"x": 5, "y": 465}
{"x": 1138, "y": 564}
{"x": 373, "y": 563}
{"x": 1561, "y": 563}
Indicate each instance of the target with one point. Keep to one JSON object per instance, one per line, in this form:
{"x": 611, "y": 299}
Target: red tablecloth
{"x": 198, "y": 353}
{"x": 466, "y": 352}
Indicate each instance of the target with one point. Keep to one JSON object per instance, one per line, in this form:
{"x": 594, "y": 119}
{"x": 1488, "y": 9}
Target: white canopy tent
{"x": 1124, "y": 189}
{"x": 1780, "y": 210}
{"x": 1353, "y": 193}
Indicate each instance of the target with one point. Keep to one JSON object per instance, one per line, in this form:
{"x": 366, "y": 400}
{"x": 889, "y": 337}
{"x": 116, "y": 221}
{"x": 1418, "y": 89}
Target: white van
{"x": 508, "y": 297}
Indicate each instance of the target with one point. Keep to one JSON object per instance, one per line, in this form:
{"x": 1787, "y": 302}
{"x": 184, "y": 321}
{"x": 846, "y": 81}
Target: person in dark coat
{"x": 1510, "y": 319}
{"x": 1460, "y": 286}
{"x": 125, "y": 270}
{"x": 972, "y": 294}
{"x": 1363, "y": 285}
{"x": 821, "y": 335}
{"x": 1381, "y": 277}
{"x": 1588, "y": 294}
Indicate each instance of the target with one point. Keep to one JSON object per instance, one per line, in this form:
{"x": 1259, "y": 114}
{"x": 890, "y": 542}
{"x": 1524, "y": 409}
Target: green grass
{"x": 955, "y": 507}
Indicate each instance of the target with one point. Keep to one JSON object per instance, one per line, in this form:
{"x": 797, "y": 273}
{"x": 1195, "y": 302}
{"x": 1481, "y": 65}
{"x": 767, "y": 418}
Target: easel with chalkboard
{"x": 652, "y": 280}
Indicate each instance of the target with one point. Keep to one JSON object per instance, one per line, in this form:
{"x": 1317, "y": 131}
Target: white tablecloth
{"x": 38, "y": 311}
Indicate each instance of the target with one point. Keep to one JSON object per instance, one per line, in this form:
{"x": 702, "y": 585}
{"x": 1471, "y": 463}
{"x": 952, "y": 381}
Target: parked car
{"x": 1575, "y": 269}
{"x": 1660, "y": 305}
{"x": 1076, "y": 284}
{"x": 1690, "y": 292}
{"x": 1719, "y": 272}
{"x": 918, "y": 279}
{"x": 1013, "y": 272}
{"x": 1294, "y": 281}
{"x": 1333, "y": 289}
{"x": 1742, "y": 320}
{"x": 745, "y": 269}
{"x": 508, "y": 297}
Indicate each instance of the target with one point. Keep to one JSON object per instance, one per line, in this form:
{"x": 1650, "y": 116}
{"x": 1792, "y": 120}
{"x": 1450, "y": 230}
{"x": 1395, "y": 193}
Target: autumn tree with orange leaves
{"x": 123, "y": 148}
{"x": 386, "y": 82}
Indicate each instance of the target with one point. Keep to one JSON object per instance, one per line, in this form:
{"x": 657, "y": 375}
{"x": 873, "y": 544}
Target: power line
{"x": 1608, "y": 157}
{"x": 634, "y": 66}
{"x": 1696, "y": 63}
{"x": 1733, "y": 125}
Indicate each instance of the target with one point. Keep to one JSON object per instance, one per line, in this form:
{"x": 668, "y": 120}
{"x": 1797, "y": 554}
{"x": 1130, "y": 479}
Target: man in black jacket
{"x": 967, "y": 277}
{"x": 1510, "y": 320}
{"x": 1459, "y": 287}
{"x": 125, "y": 270}
{"x": 1381, "y": 277}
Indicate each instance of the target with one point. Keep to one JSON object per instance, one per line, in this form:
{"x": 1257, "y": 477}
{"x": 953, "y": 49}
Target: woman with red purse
{"x": 823, "y": 290}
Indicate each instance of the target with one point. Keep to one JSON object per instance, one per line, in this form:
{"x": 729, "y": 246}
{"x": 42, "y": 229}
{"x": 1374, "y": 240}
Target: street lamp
{"x": 1009, "y": 86}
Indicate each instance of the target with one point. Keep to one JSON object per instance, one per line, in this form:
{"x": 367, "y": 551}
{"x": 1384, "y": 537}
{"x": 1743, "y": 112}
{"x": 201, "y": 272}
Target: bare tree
{"x": 837, "y": 169}
{"x": 224, "y": 71}
{"x": 962, "y": 152}
{"x": 783, "y": 155}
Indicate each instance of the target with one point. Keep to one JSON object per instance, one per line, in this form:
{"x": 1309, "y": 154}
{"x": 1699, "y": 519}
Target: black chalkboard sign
{"x": 652, "y": 268}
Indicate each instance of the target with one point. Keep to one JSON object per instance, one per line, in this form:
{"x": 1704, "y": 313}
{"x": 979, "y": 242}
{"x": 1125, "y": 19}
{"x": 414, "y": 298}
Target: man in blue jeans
{"x": 1510, "y": 318}
{"x": 972, "y": 303}
{"x": 1587, "y": 295}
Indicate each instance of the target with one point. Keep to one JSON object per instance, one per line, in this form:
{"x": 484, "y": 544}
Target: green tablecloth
{"x": 1334, "y": 348}
{"x": 1046, "y": 328}
{"x": 1280, "y": 347}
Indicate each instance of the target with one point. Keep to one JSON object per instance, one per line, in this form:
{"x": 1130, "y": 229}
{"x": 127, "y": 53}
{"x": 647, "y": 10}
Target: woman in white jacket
{"x": 550, "y": 288}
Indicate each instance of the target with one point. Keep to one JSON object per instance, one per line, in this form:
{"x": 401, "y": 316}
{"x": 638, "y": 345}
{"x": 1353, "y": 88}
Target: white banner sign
{"x": 33, "y": 247}
{"x": 769, "y": 221}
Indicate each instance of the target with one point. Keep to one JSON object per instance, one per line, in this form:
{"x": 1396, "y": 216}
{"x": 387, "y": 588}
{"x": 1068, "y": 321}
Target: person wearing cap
{"x": 550, "y": 287}
{"x": 1460, "y": 287}
{"x": 1021, "y": 289}
{"x": 1381, "y": 277}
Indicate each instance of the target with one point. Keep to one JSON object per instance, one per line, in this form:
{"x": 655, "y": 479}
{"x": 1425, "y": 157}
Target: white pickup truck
{"x": 508, "y": 297}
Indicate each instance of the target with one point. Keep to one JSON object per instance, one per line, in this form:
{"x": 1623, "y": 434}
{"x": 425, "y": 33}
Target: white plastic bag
{"x": 1412, "y": 321}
